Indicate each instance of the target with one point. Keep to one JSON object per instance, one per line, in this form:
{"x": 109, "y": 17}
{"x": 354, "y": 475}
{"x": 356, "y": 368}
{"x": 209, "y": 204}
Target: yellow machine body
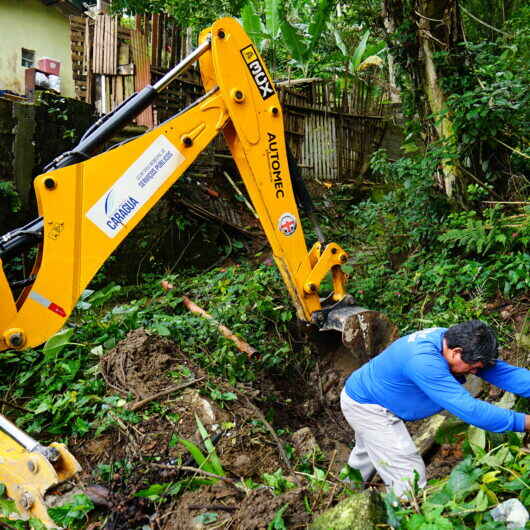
{"x": 90, "y": 207}
{"x": 27, "y": 476}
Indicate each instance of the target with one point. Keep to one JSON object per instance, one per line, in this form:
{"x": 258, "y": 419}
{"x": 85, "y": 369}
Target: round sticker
{"x": 287, "y": 224}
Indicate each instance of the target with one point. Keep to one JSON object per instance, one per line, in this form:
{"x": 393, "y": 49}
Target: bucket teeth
{"x": 364, "y": 332}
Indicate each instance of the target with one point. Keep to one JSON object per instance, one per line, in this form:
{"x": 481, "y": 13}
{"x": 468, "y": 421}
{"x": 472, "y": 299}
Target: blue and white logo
{"x": 124, "y": 197}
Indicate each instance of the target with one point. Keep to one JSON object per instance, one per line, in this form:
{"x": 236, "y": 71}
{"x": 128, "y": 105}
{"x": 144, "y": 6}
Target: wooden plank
{"x": 115, "y": 45}
{"x": 143, "y": 73}
{"x": 128, "y": 86}
{"x": 107, "y": 49}
{"x": 108, "y": 93}
{"x": 124, "y": 33}
{"x": 123, "y": 53}
{"x": 95, "y": 66}
{"x": 90, "y": 52}
{"x": 118, "y": 90}
{"x": 155, "y": 37}
{"x": 101, "y": 43}
{"x": 77, "y": 56}
{"x": 87, "y": 47}
{"x": 174, "y": 43}
{"x": 162, "y": 55}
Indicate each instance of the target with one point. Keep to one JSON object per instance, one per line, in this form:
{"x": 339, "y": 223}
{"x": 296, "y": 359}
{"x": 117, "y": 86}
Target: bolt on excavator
{"x": 88, "y": 203}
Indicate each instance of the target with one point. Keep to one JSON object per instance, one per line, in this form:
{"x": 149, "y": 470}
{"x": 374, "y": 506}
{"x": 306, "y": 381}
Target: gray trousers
{"x": 382, "y": 444}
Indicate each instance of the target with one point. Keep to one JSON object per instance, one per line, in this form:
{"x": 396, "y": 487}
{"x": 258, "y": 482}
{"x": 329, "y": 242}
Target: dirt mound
{"x": 143, "y": 364}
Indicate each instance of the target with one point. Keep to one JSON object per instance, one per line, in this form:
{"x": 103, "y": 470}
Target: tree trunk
{"x": 395, "y": 95}
{"x": 416, "y": 30}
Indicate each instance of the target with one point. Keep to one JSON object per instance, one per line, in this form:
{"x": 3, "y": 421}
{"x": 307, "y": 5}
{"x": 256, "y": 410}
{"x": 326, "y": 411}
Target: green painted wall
{"x": 30, "y": 24}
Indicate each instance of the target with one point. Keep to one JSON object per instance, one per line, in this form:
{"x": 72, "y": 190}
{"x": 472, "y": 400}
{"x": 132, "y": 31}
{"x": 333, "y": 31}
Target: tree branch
{"x": 482, "y": 22}
{"x": 139, "y": 404}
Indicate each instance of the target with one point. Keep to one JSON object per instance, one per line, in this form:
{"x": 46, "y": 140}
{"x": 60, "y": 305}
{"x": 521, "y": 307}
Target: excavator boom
{"x": 88, "y": 207}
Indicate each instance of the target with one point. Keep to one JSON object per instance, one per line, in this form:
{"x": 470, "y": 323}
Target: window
{"x": 28, "y": 58}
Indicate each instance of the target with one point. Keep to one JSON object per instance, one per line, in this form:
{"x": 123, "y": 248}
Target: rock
{"x": 53, "y": 501}
{"x": 241, "y": 466}
{"x": 304, "y": 441}
{"x": 207, "y": 411}
{"x": 474, "y": 385}
{"x": 362, "y": 511}
{"x": 425, "y": 437}
{"x": 512, "y": 512}
{"x": 99, "y": 495}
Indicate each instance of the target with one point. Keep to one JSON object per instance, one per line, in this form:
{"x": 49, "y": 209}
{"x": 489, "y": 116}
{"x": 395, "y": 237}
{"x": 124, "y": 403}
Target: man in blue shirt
{"x": 417, "y": 376}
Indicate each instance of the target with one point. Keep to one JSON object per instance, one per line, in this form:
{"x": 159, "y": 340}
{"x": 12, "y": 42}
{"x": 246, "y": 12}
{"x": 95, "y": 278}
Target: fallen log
{"x": 139, "y": 404}
{"x": 240, "y": 344}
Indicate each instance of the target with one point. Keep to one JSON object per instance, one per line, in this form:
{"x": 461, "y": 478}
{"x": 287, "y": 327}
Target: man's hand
{"x": 527, "y": 423}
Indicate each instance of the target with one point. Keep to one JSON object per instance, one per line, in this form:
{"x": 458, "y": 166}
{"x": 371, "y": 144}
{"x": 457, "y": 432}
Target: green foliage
{"x": 73, "y": 514}
{"x": 158, "y": 492}
{"x": 263, "y": 27}
{"x": 277, "y": 522}
{"x": 409, "y": 199}
{"x": 196, "y": 15}
{"x": 301, "y": 46}
{"x": 487, "y": 231}
{"x": 351, "y": 476}
{"x": 478, "y": 483}
{"x": 208, "y": 462}
{"x": 489, "y": 108}
{"x": 299, "y": 39}
{"x": 9, "y": 193}
{"x": 278, "y": 481}
{"x": 58, "y": 384}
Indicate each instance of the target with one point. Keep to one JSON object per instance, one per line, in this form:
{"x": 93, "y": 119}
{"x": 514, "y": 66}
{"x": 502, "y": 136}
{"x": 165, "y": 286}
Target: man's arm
{"x": 436, "y": 381}
{"x": 508, "y": 377}
{"x": 527, "y": 423}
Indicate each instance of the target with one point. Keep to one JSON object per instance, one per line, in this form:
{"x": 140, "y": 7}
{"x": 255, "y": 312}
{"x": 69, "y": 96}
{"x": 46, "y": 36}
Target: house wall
{"x": 30, "y": 24}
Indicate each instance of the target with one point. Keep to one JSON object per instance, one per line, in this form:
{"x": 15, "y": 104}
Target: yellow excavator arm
{"x": 89, "y": 203}
{"x": 87, "y": 208}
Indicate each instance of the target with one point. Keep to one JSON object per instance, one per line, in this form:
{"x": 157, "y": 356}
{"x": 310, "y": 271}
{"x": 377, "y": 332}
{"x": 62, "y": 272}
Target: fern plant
{"x": 493, "y": 231}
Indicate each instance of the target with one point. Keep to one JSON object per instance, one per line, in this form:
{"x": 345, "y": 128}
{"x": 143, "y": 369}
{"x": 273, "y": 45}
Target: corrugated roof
{"x": 66, "y": 7}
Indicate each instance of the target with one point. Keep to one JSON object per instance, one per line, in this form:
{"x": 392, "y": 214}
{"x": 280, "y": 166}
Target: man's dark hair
{"x": 477, "y": 340}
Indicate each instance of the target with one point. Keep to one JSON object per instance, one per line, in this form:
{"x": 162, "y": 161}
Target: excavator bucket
{"x": 363, "y": 332}
{"x": 28, "y": 470}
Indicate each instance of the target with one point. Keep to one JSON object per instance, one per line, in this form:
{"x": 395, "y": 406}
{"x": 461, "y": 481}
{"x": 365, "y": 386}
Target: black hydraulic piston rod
{"x": 108, "y": 125}
{"x": 97, "y": 135}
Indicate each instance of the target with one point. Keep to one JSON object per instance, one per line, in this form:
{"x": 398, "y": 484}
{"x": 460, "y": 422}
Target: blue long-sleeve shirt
{"x": 412, "y": 379}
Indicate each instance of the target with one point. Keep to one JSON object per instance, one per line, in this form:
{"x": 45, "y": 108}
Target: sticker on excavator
{"x": 135, "y": 187}
{"x": 57, "y": 309}
{"x": 257, "y": 71}
{"x": 287, "y": 224}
